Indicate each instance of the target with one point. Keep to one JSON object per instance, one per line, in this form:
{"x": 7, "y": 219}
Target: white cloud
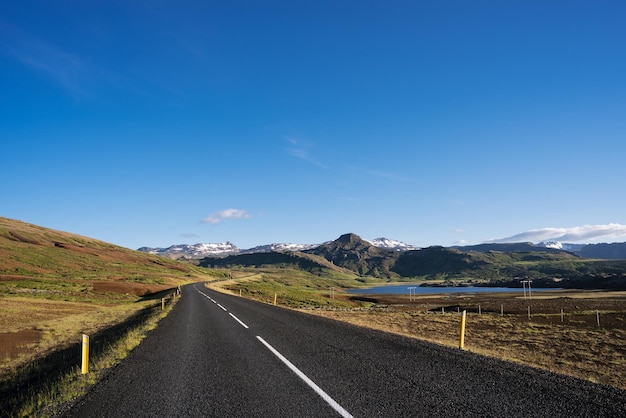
{"x": 217, "y": 217}
{"x": 586, "y": 233}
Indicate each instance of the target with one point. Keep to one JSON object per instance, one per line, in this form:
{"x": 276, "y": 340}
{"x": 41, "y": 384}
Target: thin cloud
{"x": 225, "y": 215}
{"x": 63, "y": 67}
{"x": 574, "y": 234}
{"x": 301, "y": 150}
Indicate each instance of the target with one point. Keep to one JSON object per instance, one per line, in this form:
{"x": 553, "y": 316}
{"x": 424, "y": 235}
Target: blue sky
{"x": 152, "y": 123}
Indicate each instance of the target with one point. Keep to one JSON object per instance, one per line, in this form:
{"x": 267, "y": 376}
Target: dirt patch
{"x": 14, "y": 343}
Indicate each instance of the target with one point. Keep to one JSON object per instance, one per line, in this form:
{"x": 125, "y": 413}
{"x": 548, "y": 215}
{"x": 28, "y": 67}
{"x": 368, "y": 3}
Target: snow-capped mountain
{"x": 194, "y": 251}
{"x": 391, "y": 244}
{"x": 551, "y": 244}
{"x": 561, "y": 246}
{"x": 228, "y": 248}
{"x": 279, "y": 248}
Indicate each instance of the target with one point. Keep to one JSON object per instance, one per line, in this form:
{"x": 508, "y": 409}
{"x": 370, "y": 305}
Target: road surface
{"x": 218, "y": 355}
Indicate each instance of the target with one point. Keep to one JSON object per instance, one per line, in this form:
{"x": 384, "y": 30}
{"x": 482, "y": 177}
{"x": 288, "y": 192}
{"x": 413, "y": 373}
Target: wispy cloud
{"x": 189, "y": 235}
{"x": 225, "y": 215}
{"x": 302, "y": 150}
{"x": 577, "y": 233}
{"x": 61, "y": 66}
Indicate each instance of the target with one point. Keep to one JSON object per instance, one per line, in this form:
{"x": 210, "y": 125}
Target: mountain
{"x": 391, "y": 244}
{"x": 492, "y": 264}
{"x": 574, "y": 248}
{"x": 278, "y": 248}
{"x": 199, "y": 251}
{"x": 193, "y": 251}
{"x": 509, "y": 247}
{"x": 612, "y": 251}
{"x": 354, "y": 253}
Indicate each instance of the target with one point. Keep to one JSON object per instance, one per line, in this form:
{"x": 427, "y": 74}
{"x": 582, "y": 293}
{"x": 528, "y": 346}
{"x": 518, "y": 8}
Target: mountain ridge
{"x": 609, "y": 251}
{"x": 488, "y": 264}
{"x": 201, "y": 250}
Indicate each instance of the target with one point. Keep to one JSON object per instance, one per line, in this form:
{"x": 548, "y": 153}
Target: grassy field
{"x": 498, "y": 325}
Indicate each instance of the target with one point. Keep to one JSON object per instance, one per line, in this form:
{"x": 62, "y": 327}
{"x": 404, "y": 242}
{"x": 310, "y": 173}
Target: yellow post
{"x": 462, "y": 332}
{"x": 275, "y": 295}
{"x": 240, "y": 292}
{"x": 162, "y": 304}
{"x": 85, "y": 362}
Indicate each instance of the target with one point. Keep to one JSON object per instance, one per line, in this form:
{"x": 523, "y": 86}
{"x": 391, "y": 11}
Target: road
{"x": 218, "y": 355}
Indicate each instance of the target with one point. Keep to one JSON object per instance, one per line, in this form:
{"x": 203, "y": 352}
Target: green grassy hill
{"x": 39, "y": 261}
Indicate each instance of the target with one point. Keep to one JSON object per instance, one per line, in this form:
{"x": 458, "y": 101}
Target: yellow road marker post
{"x": 462, "y": 331}
{"x": 85, "y": 357}
{"x": 275, "y": 296}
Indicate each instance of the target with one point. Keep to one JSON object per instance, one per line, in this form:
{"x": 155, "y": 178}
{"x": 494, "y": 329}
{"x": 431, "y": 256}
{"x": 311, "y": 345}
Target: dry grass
{"x": 32, "y": 328}
{"x": 48, "y": 376}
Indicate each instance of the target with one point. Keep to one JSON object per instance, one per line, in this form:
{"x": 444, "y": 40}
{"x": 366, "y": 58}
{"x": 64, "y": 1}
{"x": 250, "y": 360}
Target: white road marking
{"x": 223, "y": 308}
{"x": 238, "y": 320}
{"x": 308, "y": 381}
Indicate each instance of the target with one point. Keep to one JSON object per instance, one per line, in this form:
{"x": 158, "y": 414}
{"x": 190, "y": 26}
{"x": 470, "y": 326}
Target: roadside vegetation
{"x": 56, "y": 286}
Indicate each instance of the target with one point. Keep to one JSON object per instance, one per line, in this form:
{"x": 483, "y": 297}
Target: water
{"x": 422, "y": 290}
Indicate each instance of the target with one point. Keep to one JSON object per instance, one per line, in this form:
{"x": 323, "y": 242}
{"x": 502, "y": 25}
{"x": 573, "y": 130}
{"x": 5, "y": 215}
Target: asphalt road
{"x": 218, "y": 355}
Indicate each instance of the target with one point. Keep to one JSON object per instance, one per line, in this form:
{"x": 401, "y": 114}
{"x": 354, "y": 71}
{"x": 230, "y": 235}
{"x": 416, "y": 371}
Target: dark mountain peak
{"x": 351, "y": 240}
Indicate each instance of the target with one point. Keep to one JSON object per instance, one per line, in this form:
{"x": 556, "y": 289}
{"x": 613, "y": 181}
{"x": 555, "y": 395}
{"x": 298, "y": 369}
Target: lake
{"x": 423, "y": 290}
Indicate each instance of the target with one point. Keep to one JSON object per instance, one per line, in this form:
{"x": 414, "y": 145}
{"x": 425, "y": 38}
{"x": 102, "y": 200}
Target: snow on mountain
{"x": 194, "y": 251}
{"x": 228, "y": 248}
{"x": 391, "y": 244}
{"x": 552, "y": 244}
{"x": 279, "y": 248}
{"x": 561, "y": 246}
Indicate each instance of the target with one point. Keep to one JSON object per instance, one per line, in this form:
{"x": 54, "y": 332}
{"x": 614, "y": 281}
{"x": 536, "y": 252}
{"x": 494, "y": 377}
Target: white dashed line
{"x": 308, "y": 381}
{"x": 238, "y": 320}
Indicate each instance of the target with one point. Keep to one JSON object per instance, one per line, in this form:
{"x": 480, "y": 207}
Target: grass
{"x": 51, "y": 395}
{"x": 293, "y": 288}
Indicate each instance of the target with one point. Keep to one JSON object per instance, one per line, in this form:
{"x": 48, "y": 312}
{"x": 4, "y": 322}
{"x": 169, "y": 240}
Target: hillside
{"x": 526, "y": 247}
{"x": 34, "y": 259}
{"x": 613, "y": 251}
{"x": 307, "y": 262}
